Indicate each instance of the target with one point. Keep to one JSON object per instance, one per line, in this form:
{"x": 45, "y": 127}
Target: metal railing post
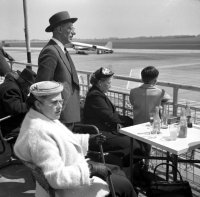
{"x": 124, "y": 104}
{"x": 88, "y": 80}
{"x": 175, "y": 101}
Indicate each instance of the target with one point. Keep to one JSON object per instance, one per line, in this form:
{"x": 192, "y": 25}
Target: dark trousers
{"x": 122, "y": 186}
{"x": 119, "y": 145}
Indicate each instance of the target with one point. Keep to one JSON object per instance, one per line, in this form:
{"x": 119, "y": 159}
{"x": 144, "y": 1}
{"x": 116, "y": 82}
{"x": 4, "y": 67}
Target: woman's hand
{"x": 99, "y": 170}
{"x": 97, "y": 139}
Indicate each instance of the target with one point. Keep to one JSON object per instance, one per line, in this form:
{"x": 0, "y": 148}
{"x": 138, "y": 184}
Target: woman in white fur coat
{"x": 46, "y": 142}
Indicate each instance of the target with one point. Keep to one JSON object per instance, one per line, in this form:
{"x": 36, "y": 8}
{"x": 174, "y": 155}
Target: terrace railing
{"x": 121, "y": 97}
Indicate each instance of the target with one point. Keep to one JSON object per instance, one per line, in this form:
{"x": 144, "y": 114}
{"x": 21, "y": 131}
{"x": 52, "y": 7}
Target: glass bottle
{"x": 183, "y": 125}
{"x": 164, "y": 117}
{"x": 156, "y": 121}
{"x": 188, "y": 115}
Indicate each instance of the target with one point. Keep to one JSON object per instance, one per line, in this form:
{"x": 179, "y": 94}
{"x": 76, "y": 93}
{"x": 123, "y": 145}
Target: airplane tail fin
{"x": 131, "y": 84}
{"x": 109, "y": 44}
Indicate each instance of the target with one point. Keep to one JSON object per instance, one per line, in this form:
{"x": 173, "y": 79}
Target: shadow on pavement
{"x": 16, "y": 181}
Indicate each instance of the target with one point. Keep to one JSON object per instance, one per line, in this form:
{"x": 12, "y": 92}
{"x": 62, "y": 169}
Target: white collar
{"x": 59, "y": 44}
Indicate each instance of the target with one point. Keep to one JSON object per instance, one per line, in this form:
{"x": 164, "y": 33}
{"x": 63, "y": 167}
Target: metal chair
{"x": 114, "y": 158}
{"x": 91, "y": 129}
{"x": 39, "y": 177}
{"x": 4, "y": 140}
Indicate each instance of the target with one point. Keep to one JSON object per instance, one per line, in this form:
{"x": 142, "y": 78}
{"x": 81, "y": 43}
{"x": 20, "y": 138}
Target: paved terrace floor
{"x": 15, "y": 180}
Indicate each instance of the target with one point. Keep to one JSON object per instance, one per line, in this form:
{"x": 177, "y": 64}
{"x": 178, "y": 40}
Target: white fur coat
{"x": 60, "y": 154}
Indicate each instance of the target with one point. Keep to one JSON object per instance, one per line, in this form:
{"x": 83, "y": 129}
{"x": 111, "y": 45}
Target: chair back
{"x": 40, "y": 178}
{"x": 92, "y": 129}
{"x": 2, "y": 139}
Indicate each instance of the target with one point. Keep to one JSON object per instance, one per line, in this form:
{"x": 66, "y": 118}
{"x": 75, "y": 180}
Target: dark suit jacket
{"x": 54, "y": 65}
{"x": 12, "y": 102}
{"x": 4, "y": 66}
{"x": 100, "y": 111}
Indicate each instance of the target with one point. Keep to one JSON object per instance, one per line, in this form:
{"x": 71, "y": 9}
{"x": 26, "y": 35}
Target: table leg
{"x": 167, "y": 168}
{"x": 175, "y": 163}
{"x": 131, "y": 160}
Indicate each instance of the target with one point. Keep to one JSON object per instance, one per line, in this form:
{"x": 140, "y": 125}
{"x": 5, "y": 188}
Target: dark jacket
{"x": 4, "y": 66}
{"x": 100, "y": 111}
{"x": 12, "y": 102}
{"x": 54, "y": 65}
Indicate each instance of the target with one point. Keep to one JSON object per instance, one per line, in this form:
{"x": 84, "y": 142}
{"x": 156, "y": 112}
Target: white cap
{"x": 45, "y": 88}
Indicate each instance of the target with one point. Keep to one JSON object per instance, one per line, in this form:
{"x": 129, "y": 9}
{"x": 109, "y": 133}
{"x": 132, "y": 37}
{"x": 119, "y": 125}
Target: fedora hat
{"x": 59, "y": 18}
{"x": 28, "y": 75}
{"x": 46, "y": 88}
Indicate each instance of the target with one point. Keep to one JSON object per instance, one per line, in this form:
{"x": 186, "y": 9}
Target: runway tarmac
{"x": 176, "y": 66}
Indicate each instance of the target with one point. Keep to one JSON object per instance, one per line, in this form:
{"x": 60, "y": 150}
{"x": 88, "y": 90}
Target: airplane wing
{"x": 83, "y": 46}
{"x": 79, "y": 47}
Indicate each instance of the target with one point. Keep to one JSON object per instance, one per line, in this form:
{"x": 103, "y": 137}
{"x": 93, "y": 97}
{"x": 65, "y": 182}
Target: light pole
{"x": 27, "y": 34}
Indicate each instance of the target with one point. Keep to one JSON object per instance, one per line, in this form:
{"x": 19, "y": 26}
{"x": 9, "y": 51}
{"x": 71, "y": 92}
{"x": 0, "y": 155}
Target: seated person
{"x": 4, "y": 66}
{"x": 99, "y": 111}
{"x": 13, "y": 93}
{"x": 50, "y": 145}
{"x": 146, "y": 97}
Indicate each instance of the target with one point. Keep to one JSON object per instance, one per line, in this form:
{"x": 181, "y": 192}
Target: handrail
{"x": 5, "y": 118}
{"x": 175, "y": 86}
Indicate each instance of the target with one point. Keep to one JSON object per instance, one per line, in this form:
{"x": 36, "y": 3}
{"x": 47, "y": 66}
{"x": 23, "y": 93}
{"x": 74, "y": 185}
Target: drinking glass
{"x": 151, "y": 116}
{"x": 173, "y": 131}
{"x": 151, "y": 120}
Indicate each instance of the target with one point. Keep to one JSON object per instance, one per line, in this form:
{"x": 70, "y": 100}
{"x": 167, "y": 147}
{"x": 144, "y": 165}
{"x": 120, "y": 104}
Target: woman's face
{"x": 51, "y": 106}
{"x": 105, "y": 84}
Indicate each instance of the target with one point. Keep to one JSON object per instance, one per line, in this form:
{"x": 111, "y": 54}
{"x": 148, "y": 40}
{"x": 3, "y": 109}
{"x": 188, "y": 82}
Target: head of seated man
{"x": 149, "y": 75}
{"x": 26, "y": 79}
{"x": 102, "y": 78}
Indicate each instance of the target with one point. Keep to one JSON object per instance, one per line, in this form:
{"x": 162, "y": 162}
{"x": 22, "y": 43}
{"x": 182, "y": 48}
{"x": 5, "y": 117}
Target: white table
{"x": 162, "y": 140}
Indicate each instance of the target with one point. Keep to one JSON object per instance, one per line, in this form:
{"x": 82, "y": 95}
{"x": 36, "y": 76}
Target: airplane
{"x": 81, "y": 48}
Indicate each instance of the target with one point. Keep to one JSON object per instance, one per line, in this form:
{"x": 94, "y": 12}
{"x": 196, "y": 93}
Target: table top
{"x": 162, "y": 140}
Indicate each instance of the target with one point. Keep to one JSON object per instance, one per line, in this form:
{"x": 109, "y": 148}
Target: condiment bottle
{"x": 183, "y": 125}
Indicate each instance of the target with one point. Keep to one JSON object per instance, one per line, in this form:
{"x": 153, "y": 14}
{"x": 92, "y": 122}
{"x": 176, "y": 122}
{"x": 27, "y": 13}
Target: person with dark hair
{"x": 100, "y": 111}
{"x": 50, "y": 145}
{"x": 145, "y": 98}
{"x": 55, "y": 64}
{"x": 4, "y": 66}
{"x": 149, "y": 75}
{"x": 13, "y": 94}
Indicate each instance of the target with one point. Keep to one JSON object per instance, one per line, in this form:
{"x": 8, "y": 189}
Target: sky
{"x": 102, "y": 18}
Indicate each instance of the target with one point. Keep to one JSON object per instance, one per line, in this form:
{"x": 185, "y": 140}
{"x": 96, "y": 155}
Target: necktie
{"x": 73, "y": 70}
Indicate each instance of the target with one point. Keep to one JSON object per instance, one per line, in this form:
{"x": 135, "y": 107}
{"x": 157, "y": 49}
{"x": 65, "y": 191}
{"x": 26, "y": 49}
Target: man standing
{"x": 4, "y": 66}
{"x": 55, "y": 63}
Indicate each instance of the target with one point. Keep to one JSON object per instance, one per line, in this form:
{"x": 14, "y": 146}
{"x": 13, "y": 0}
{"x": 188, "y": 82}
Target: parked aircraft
{"x": 81, "y": 48}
